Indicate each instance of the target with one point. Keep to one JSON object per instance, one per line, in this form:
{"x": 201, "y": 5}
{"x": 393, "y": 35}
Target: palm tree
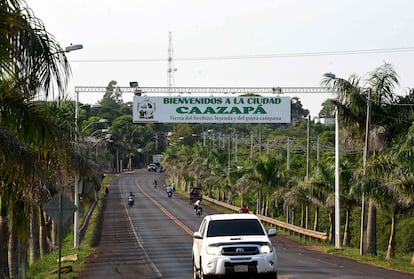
{"x": 30, "y": 60}
{"x": 294, "y": 196}
{"x": 269, "y": 173}
{"x": 318, "y": 187}
{"x": 352, "y": 102}
{"x": 217, "y": 172}
{"x": 404, "y": 157}
{"x": 393, "y": 191}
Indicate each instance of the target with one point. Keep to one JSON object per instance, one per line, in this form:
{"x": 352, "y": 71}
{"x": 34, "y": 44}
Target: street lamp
{"x": 337, "y": 192}
{"x": 73, "y": 47}
{"x": 137, "y": 91}
{"x": 76, "y": 195}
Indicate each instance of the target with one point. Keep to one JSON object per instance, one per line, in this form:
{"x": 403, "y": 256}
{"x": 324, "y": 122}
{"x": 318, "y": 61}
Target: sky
{"x": 231, "y": 43}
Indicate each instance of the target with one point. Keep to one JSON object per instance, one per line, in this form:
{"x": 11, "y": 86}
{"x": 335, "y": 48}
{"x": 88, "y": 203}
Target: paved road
{"x": 119, "y": 254}
{"x": 153, "y": 239}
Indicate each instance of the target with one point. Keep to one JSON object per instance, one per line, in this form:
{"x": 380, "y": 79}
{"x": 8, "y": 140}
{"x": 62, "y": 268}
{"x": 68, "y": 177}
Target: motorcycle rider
{"x": 244, "y": 209}
{"x": 131, "y": 198}
{"x": 198, "y": 205}
{"x": 169, "y": 190}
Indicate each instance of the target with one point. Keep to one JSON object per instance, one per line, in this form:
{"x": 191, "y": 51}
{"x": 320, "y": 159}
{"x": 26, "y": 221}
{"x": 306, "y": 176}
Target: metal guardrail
{"x": 85, "y": 222}
{"x": 280, "y": 224}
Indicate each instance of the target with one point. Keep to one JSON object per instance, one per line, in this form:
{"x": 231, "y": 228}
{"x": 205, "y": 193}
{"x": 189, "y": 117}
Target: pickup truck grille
{"x": 239, "y": 250}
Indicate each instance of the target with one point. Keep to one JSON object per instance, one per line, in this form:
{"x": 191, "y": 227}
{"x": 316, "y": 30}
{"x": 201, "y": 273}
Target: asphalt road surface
{"x": 153, "y": 239}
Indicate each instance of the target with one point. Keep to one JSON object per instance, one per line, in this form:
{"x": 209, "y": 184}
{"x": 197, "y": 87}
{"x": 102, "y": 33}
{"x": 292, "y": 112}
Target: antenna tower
{"x": 171, "y": 69}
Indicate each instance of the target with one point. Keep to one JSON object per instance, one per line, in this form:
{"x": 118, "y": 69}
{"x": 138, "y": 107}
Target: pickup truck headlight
{"x": 213, "y": 250}
{"x": 266, "y": 249}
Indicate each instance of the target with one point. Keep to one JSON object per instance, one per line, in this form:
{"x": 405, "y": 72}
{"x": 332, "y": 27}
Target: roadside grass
{"x": 400, "y": 262}
{"x": 43, "y": 268}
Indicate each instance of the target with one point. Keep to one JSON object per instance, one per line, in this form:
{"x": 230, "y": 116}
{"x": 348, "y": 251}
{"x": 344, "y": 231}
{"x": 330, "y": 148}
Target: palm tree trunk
{"x": 4, "y": 238}
{"x": 260, "y": 201}
{"x": 13, "y": 257}
{"x": 345, "y": 240}
{"x": 43, "y": 243}
{"x": 22, "y": 250}
{"x": 391, "y": 241}
{"x": 331, "y": 228}
{"x": 230, "y": 197}
{"x": 316, "y": 221}
{"x": 266, "y": 206}
{"x": 302, "y": 218}
{"x": 288, "y": 214}
{"x": 34, "y": 249}
{"x": 372, "y": 229}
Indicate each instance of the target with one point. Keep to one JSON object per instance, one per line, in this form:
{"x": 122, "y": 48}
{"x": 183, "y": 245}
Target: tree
{"x": 269, "y": 172}
{"x": 404, "y": 157}
{"x": 30, "y": 61}
{"x": 352, "y": 102}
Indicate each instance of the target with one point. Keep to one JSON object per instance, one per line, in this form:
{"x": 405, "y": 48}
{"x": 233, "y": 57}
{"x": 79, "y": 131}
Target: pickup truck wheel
{"x": 202, "y": 276}
{"x": 196, "y": 274}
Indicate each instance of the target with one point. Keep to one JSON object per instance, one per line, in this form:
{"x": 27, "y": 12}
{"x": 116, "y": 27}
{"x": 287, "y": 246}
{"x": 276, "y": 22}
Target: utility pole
{"x": 308, "y": 147}
{"x": 251, "y": 145}
{"x": 288, "y": 154}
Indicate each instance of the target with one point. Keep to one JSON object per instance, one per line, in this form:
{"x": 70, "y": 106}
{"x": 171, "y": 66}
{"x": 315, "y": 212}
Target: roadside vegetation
{"x": 47, "y": 267}
{"x": 284, "y": 171}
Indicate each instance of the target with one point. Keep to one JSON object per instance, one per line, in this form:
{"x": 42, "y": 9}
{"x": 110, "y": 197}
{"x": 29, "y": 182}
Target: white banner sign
{"x": 180, "y": 109}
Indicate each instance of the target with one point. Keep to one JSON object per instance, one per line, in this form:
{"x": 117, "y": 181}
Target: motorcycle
{"x": 131, "y": 200}
{"x": 198, "y": 210}
{"x": 155, "y": 183}
{"x": 169, "y": 191}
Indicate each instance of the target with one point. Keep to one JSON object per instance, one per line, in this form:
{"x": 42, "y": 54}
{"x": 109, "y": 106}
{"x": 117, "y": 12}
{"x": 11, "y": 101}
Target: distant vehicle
{"x": 198, "y": 208}
{"x": 152, "y": 167}
{"x": 156, "y": 158}
{"x": 169, "y": 191}
{"x": 195, "y": 194}
{"x": 199, "y": 211}
{"x": 131, "y": 199}
{"x": 233, "y": 244}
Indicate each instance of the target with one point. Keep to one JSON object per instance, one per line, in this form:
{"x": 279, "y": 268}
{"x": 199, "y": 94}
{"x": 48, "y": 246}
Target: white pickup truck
{"x": 233, "y": 244}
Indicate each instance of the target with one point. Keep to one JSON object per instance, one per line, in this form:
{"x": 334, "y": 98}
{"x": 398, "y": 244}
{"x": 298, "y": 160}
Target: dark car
{"x": 195, "y": 194}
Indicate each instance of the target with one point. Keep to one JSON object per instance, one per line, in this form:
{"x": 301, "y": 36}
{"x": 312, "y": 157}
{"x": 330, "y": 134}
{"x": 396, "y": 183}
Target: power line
{"x": 254, "y": 56}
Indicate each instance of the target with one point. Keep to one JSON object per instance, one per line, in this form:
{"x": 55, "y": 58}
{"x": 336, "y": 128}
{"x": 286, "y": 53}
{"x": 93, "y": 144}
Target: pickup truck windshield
{"x": 234, "y": 228}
